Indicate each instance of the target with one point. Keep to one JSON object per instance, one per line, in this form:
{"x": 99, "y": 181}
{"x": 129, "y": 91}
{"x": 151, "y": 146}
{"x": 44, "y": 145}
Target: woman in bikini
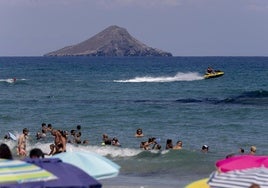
{"x": 22, "y": 143}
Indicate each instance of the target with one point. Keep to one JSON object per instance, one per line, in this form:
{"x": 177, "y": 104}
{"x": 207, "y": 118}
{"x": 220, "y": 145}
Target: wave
{"x": 254, "y": 94}
{"x": 108, "y": 151}
{"x": 135, "y": 161}
{"x": 252, "y": 97}
{"x": 180, "y": 76}
{"x": 257, "y": 97}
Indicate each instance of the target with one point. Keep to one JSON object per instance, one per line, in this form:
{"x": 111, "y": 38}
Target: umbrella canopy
{"x": 239, "y": 178}
{"x": 199, "y": 184}
{"x": 20, "y": 172}
{"x": 95, "y": 165}
{"x": 241, "y": 162}
{"x": 68, "y": 175}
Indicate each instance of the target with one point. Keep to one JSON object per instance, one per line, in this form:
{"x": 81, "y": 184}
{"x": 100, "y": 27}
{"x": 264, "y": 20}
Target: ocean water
{"x": 166, "y": 97}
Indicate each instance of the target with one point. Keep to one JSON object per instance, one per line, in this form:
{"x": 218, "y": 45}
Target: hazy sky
{"x": 182, "y": 27}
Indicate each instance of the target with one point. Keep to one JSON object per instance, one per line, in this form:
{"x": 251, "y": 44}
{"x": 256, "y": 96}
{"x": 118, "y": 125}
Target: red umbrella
{"x": 241, "y": 162}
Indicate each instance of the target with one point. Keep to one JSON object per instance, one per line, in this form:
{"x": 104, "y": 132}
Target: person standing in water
{"x": 22, "y": 143}
{"x": 59, "y": 141}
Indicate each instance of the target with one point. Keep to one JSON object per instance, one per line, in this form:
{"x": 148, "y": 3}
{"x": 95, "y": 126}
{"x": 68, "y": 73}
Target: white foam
{"x": 180, "y": 76}
{"x": 12, "y": 80}
{"x": 111, "y": 151}
{"x": 9, "y": 80}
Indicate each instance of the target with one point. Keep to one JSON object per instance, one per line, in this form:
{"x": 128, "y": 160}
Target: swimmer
{"x": 253, "y": 150}
{"x": 178, "y": 145}
{"x": 139, "y": 133}
{"x": 205, "y": 148}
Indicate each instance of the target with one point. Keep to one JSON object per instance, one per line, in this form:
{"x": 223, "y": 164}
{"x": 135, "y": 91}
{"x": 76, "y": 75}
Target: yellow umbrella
{"x": 199, "y": 184}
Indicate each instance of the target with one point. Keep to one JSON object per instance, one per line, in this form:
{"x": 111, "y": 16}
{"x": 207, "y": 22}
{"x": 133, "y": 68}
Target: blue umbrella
{"x": 94, "y": 164}
{"x": 68, "y": 175}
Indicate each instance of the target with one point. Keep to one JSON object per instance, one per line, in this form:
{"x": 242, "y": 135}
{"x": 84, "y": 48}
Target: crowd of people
{"x": 5, "y": 152}
{"x": 35, "y": 153}
{"x": 108, "y": 141}
{"x": 152, "y": 144}
{"x": 61, "y": 138}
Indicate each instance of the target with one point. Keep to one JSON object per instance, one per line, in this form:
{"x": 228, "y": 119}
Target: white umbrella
{"x": 239, "y": 178}
{"x": 94, "y": 164}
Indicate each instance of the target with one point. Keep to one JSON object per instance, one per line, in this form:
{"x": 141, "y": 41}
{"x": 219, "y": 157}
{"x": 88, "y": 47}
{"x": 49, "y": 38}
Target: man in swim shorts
{"x": 59, "y": 141}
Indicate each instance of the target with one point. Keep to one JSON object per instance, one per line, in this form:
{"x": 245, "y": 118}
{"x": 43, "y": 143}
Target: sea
{"x": 167, "y": 97}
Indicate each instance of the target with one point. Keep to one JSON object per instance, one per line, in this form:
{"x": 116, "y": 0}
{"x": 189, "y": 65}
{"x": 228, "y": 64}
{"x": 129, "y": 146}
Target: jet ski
{"x": 214, "y": 74}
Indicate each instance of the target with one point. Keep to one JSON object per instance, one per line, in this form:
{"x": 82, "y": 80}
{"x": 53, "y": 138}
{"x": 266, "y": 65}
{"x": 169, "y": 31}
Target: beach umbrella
{"x": 69, "y": 176}
{"x": 202, "y": 183}
{"x": 239, "y": 178}
{"x": 20, "y": 172}
{"x": 241, "y": 162}
{"x": 94, "y": 164}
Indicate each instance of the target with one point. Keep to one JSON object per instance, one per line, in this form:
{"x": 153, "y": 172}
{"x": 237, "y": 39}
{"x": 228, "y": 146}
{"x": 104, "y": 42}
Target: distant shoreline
{"x": 132, "y": 56}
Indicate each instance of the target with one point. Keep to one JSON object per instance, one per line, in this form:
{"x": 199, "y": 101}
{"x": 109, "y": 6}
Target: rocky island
{"x": 112, "y": 41}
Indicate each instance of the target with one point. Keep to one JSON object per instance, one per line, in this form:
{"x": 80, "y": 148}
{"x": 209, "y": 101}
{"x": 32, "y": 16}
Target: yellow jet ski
{"x": 214, "y": 74}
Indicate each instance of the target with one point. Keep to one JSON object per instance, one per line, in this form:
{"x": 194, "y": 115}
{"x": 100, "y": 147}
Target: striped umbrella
{"x": 16, "y": 171}
{"x": 239, "y": 178}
